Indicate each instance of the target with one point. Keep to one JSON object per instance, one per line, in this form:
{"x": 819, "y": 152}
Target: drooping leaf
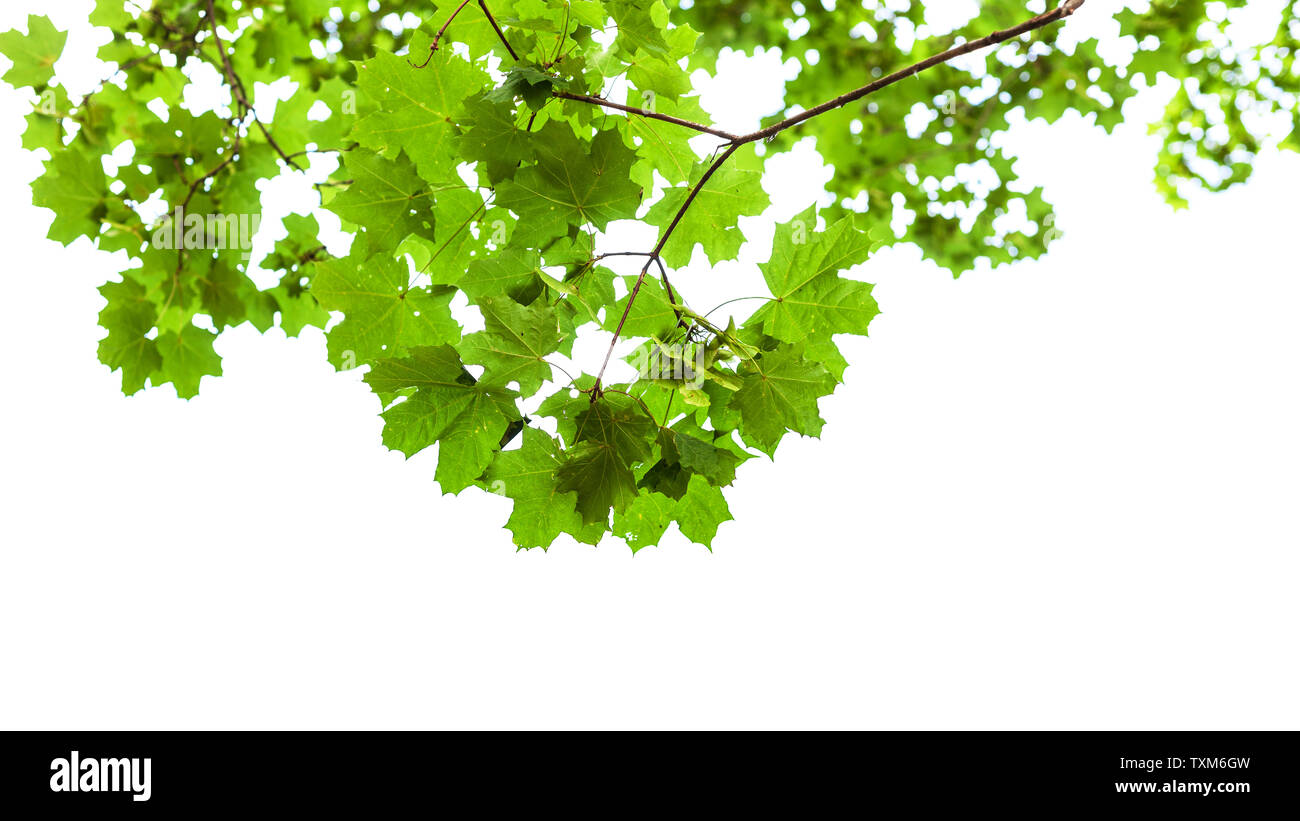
{"x": 467, "y": 418}
{"x": 528, "y": 476}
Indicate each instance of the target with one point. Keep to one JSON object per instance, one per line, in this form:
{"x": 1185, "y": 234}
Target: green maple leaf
{"x": 187, "y": 356}
{"x": 383, "y": 312}
{"x": 638, "y": 27}
{"x": 701, "y": 510}
{"x": 664, "y": 147}
{"x": 448, "y": 407}
{"x": 573, "y": 183}
{"x": 74, "y": 189}
{"x": 642, "y": 522}
{"x": 528, "y": 476}
{"x": 494, "y": 138}
{"x": 128, "y": 318}
{"x": 514, "y": 344}
{"x": 712, "y": 218}
{"x": 416, "y": 107}
{"x": 110, "y": 15}
{"x": 600, "y": 478}
{"x": 619, "y": 422}
{"x": 33, "y": 54}
{"x": 452, "y": 245}
{"x": 691, "y": 447}
{"x": 45, "y": 123}
{"x": 607, "y": 437}
{"x": 387, "y": 199}
{"x": 811, "y": 299}
{"x": 780, "y": 393}
{"x": 503, "y": 274}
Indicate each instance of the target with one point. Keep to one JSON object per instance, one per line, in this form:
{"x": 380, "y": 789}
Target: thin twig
{"x": 663, "y": 273}
{"x": 501, "y": 34}
{"x": 645, "y": 112}
{"x": 434, "y": 45}
{"x": 654, "y": 255}
{"x": 1046, "y": 18}
{"x": 237, "y": 89}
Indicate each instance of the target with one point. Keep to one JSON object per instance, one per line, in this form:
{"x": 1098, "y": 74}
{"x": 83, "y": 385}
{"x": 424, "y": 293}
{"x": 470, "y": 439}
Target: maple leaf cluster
{"x": 484, "y": 153}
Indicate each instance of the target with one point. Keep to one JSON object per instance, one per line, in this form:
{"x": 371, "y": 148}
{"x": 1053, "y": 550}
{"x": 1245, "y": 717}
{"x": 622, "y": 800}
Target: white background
{"x": 1060, "y": 494}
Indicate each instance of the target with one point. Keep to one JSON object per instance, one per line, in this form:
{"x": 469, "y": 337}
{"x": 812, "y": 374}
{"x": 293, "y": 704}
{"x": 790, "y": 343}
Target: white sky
{"x": 1059, "y": 494}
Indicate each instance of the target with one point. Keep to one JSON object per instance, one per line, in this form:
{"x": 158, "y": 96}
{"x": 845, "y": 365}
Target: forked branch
{"x": 1047, "y": 18}
{"x": 734, "y": 142}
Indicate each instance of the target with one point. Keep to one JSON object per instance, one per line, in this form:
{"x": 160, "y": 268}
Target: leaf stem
{"x": 559, "y": 41}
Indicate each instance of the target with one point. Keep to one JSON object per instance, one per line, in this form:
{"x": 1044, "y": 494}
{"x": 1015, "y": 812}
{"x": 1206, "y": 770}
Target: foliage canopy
{"x": 483, "y": 151}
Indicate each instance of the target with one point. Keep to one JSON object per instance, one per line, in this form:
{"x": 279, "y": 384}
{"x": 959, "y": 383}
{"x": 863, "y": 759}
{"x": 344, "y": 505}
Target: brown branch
{"x": 654, "y": 255}
{"x": 501, "y": 34}
{"x": 600, "y": 101}
{"x": 1047, "y": 18}
{"x": 481, "y": 4}
{"x": 240, "y": 94}
{"x": 434, "y": 45}
{"x": 663, "y": 272}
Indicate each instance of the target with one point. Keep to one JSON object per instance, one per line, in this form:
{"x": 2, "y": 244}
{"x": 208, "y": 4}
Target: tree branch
{"x": 654, "y": 256}
{"x": 690, "y": 198}
{"x": 237, "y": 89}
{"x": 1047, "y": 18}
{"x": 644, "y": 112}
{"x": 438, "y": 37}
{"x": 501, "y": 34}
{"x": 663, "y": 272}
